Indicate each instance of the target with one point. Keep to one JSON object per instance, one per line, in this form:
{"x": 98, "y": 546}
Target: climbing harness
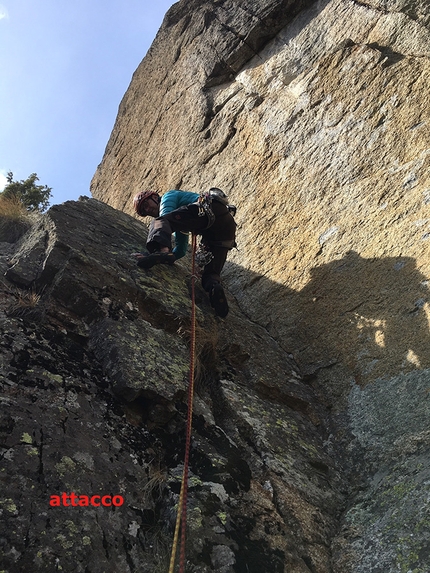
{"x": 181, "y": 517}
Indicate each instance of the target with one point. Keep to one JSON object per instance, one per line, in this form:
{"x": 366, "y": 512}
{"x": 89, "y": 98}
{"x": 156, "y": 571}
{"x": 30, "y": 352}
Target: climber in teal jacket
{"x": 179, "y": 213}
{"x": 171, "y": 201}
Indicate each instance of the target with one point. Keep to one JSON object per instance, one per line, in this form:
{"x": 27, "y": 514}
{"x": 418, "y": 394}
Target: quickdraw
{"x": 205, "y": 204}
{"x": 203, "y": 255}
{"x": 205, "y": 208}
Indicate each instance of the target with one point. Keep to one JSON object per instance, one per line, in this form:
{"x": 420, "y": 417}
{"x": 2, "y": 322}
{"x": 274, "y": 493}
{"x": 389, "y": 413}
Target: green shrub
{"x": 19, "y": 202}
{"x": 33, "y": 197}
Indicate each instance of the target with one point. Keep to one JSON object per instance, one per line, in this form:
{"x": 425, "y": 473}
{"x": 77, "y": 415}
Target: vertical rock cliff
{"x": 311, "y": 443}
{"x": 314, "y": 118}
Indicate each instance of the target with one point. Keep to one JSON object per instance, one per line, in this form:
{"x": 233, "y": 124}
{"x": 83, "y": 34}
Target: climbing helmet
{"x": 139, "y": 201}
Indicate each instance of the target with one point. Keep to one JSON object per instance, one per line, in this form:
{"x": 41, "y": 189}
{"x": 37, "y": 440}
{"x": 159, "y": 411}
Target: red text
{"x": 74, "y": 500}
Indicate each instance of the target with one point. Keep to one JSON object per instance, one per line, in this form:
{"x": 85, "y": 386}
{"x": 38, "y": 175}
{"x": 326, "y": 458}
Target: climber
{"x": 182, "y": 212}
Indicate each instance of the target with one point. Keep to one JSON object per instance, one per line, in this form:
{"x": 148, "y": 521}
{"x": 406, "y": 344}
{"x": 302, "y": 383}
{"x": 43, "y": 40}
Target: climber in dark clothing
{"x": 182, "y": 212}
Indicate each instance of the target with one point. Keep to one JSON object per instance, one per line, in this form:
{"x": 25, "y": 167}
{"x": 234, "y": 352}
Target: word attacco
{"x": 74, "y": 500}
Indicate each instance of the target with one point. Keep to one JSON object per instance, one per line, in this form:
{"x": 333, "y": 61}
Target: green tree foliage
{"x": 34, "y": 197}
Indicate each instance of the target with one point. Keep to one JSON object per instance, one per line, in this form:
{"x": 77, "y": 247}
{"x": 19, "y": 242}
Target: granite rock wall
{"x": 314, "y": 118}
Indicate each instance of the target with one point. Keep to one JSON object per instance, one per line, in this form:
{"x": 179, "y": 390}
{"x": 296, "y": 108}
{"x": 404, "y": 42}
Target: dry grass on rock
{"x": 15, "y": 220}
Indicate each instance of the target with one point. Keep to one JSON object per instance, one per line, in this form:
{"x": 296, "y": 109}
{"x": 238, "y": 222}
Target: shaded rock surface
{"x": 314, "y": 118}
{"x": 93, "y": 381}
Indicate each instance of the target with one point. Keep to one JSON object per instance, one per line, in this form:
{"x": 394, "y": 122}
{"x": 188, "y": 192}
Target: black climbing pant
{"x": 219, "y": 238}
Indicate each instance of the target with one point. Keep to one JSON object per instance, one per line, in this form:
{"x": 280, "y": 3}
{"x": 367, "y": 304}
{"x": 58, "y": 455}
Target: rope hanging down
{"x": 181, "y": 518}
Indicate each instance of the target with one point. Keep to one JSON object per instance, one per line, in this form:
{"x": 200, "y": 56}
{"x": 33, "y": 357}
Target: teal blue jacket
{"x": 169, "y": 202}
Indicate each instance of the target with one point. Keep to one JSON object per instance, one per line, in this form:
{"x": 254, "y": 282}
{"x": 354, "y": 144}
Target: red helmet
{"x": 140, "y": 199}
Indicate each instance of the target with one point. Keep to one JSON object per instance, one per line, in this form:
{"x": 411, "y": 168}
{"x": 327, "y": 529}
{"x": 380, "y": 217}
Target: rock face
{"x": 314, "y": 118}
{"x": 310, "y": 449}
{"x": 94, "y": 372}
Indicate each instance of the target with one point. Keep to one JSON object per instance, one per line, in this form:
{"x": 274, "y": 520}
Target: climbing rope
{"x": 181, "y": 517}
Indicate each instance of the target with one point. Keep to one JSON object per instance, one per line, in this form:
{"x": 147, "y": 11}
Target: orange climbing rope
{"x": 181, "y": 518}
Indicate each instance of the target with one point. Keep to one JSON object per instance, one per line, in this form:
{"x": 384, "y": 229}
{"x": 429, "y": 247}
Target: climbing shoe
{"x": 218, "y": 300}
{"x": 148, "y": 261}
